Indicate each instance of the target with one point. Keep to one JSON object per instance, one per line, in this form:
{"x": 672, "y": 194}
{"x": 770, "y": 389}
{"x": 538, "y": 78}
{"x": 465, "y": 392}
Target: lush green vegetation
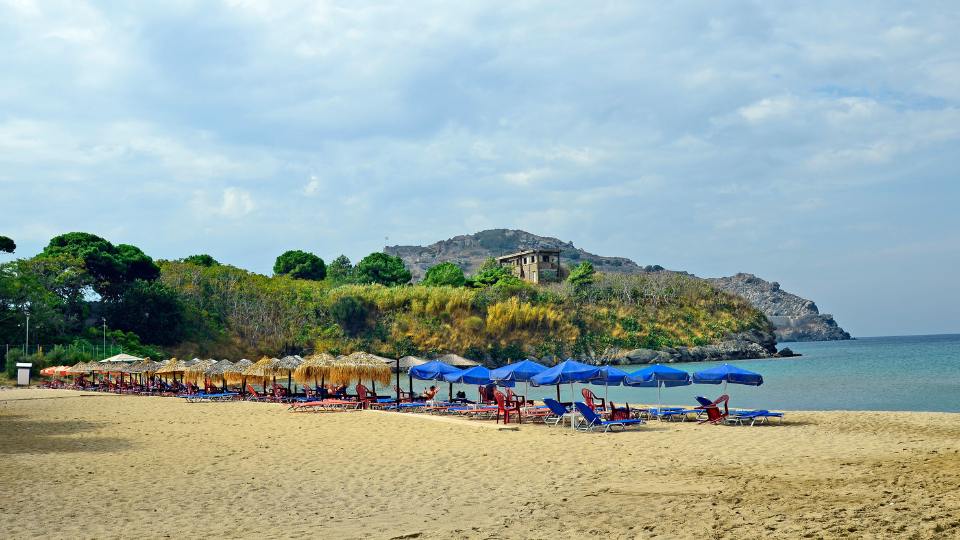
{"x": 198, "y": 307}
{"x": 7, "y": 245}
{"x": 301, "y": 265}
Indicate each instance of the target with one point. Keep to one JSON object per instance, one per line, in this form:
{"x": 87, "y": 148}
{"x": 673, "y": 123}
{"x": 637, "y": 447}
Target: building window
{"x": 546, "y": 258}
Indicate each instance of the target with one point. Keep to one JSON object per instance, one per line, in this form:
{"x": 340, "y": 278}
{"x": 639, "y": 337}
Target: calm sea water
{"x": 912, "y": 373}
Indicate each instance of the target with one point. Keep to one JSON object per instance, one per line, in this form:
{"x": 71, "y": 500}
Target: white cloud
{"x": 768, "y": 108}
{"x": 313, "y": 187}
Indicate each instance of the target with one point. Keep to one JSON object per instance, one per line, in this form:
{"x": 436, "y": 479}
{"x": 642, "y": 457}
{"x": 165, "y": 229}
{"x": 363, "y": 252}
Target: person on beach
{"x": 430, "y": 394}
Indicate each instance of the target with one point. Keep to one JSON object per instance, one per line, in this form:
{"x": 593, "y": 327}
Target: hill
{"x": 468, "y": 251}
{"x": 231, "y": 312}
{"x": 794, "y": 318}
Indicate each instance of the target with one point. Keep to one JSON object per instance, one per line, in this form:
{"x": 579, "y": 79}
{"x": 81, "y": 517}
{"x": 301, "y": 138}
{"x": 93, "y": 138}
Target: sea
{"x": 903, "y": 373}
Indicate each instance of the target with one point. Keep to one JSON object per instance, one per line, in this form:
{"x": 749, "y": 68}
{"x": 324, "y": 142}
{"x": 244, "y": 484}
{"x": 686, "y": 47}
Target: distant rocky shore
{"x": 745, "y": 346}
{"x": 793, "y": 318}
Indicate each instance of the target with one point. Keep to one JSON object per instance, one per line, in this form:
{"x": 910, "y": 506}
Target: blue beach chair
{"x": 557, "y": 412}
{"x": 592, "y": 421}
{"x": 759, "y": 416}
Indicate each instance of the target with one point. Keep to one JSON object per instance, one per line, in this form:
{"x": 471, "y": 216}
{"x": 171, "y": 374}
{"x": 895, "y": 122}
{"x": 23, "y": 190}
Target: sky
{"x": 817, "y": 145}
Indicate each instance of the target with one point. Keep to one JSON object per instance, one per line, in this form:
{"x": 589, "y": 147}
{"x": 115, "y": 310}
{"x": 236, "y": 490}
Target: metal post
{"x": 104, "y": 335}
{"x": 26, "y": 341}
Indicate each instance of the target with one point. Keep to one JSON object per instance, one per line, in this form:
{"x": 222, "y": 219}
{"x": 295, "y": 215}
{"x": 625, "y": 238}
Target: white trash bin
{"x": 23, "y": 373}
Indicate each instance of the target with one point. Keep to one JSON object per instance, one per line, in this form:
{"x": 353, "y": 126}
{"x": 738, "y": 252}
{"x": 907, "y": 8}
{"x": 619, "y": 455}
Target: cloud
{"x": 313, "y": 187}
{"x": 233, "y": 203}
{"x": 631, "y": 129}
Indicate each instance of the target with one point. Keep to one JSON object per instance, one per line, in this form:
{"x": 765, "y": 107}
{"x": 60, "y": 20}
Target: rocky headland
{"x": 794, "y": 318}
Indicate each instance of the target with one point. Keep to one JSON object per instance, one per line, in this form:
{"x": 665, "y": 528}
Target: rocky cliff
{"x": 470, "y": 250}
{"x": 794, "y": 318}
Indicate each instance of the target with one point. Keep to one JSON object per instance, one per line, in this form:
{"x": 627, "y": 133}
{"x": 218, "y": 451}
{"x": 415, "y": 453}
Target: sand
{"x": 78, "y": 465}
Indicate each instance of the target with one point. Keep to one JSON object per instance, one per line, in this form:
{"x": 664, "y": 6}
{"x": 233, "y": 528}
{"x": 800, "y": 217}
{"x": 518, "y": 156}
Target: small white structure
{"x": 23, "y": 373}
{"x": 122, "y": 358}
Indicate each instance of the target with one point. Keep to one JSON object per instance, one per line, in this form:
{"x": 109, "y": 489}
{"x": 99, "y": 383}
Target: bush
{"x": 445, "y": 274}
{"x": 300, "y": 265}
{"x": 351, "y": 314}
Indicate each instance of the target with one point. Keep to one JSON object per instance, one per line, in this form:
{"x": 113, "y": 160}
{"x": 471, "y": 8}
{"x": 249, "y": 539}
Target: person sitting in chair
{"x": 429, "y": 394}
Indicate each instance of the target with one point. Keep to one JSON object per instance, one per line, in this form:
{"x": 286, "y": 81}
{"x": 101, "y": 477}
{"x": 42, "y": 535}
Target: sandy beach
{"x": 78, "y": 465}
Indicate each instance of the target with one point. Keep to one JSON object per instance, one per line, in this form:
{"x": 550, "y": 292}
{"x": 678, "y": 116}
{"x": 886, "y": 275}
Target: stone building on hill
{"x": 533, "y": 265}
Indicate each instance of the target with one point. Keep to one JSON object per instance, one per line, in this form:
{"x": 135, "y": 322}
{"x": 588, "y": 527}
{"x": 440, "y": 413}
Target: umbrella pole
{"x": 398, "y": 384}
{"x": 410, "y": 381}
{"x": 450, "y": 392}
{"x": 659, "y": 406}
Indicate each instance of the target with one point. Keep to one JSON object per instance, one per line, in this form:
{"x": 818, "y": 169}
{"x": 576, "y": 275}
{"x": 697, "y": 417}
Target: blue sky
{"x": 817, "y": 145}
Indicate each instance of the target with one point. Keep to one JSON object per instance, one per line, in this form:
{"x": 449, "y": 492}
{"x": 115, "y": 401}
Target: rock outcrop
{"x": 794, "y": 318}
{"x": 754, "y": 344}
{"x": 470, "y": 250}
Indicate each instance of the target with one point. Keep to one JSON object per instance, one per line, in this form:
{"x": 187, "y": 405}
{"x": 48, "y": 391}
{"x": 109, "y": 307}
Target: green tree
{"x": 351, "y": 314}
{"x": 445, "y": 273}
{"x": 491, "y": 273}
{"x": 111, "y": 267}
{"x": 7, "y": 245}
{"x": 51, "y": 289}
{"x": 300, "y": 265}
{"x": 383, "y": 269}
{"x": 341, "y": 270}
{"x": 151, "y": 310}
{"x": 581, "y": 275}
{"x": 201, "y": 260}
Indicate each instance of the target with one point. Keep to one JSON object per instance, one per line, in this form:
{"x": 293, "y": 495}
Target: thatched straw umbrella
{"x": 287, "y": 365}
{"x": 234, "y": 374}
{"x": 261, "y": 371}
{"x": 316, "y": 366}
{"x": 456, "y": 360}
{"x": 359, "y": 366}
{"x": 218, "y": 370}
{"x": 196, "y": 371}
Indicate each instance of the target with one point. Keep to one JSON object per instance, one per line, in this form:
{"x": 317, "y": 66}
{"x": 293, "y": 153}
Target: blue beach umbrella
{"x": 520, "y": 371}
{"x": 516, "y": 372}
{"x": 727, "y": 374}
{"x": 568, "y": 371}
{"x": 478, "y": 375}
{"x": 609, "y": 376}
{"x": 657, "y": 375}
{"x": 431, "y": 371}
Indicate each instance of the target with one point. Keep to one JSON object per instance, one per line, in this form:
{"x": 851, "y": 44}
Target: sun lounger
{"x": 759, "y": 416}
{"x": 592, "y": 420}
{"x": 325, "y": 405}
{"x": 557, "y": 412}
{"x": 205, "y": 397}
{"x": 712, "y": 409}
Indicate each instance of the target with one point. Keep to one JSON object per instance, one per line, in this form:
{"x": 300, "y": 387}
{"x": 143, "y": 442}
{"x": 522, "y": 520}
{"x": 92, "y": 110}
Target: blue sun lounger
{"x": 557, "y": 412}
{"x": 759, "y": 416}
{"x": 592, "y": 420}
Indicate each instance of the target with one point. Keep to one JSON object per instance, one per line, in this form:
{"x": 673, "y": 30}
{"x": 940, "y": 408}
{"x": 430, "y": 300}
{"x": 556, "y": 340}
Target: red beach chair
{"x": 714, "y": 415}
{"x": 590, "y": 398}
{"x": 619, "y": 413}
{"x": 505, "y": 408}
